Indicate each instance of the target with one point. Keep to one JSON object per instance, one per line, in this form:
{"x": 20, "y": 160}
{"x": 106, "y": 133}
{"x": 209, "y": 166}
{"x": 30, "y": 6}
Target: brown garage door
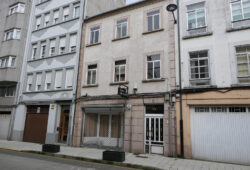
{"x": 36, "y": 124}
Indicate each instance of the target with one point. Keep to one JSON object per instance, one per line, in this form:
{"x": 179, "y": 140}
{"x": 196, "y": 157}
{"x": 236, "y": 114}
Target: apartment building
{"x": 130, "y": 50}
{"x": 13, "y": 30}
{"x": 215, "y": 48}
{"x": 46, "y": 100}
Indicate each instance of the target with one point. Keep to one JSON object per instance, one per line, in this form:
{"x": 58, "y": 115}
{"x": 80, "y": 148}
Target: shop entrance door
{"x": 64, "y": 122}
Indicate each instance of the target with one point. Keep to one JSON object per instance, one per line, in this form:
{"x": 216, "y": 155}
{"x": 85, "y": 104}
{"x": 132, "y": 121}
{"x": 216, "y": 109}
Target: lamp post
{"x": 172, "y": 8}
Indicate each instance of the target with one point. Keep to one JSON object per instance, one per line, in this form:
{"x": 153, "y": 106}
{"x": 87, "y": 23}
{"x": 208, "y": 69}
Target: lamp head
{"x": 171, "y": 7}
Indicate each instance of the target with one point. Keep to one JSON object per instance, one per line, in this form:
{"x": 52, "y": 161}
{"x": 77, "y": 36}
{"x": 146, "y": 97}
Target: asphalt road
{"x": 11, "y": 160}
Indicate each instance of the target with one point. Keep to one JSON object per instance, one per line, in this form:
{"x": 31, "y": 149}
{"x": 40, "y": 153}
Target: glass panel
{"x": 94, "y": 77}
{"x": 150, "y": 23}
{"x": 2, "y": 91}
{"x": 157, "y": 129}
{"x": 124, "y": 30}
{"x": 96, "y": 37}
{"x": 104, "y": 126}
{"x": 152, "y": 128}
{"x": 117, "y": 74}
{"x": 157, "y": 70}
{"x": 242, "y": 58}
{"x": 116, "y": 126}
{"x": 161, "y": 129}
{"x": 119, "y": 31}
{"x": 89, "y": 77}
{"x": 150, "y": 70}
{"x": 155, "y": 109}
{"x": 156, "y": 22}
{"x": 122, "y": 72}
{"x": 147, "y": 128}
{"x": 90, "y": 125}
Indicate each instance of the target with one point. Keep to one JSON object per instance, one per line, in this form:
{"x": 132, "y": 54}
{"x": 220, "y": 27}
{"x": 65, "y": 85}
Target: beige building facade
{"x": 131, "y": 48}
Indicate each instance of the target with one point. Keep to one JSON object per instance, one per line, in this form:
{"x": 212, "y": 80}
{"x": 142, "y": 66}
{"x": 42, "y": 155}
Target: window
{"x": 76, "y": 11}
{"x": 199, "y": 65}
{"x": 52, "y": 47}
{"x": 43, "y": 50}
{"x": 62, "y": 45}
{"x": 91, "y": 75}
{"x": 240, "y": 9}
{"x": 65, "y": 13}
{"x": 17, "y": 8}
{"x": 9, "y": 61}
{"x": 34, "y": 50}
{"x": 196, "y": 16}
{"x": 7, "y": 91}
{"x": 120, "y": 71}
{"x": 46, "y": 19}
{"x": 73, "y": 43}
{"x": 153, "y": 67}
{"x": 56, "y": 17}
{"x": 29, "y": 82}
{"x": 122, "y": 28}
{"x": 48, "y": 81}
{"x": 58, "y": 79}
{"x": 38, "y": 81}
{"x": 153, "y": 20}
{"x": 38, "y": 22}
{"x": 95, "y": 33}
{"x": 12, "y": 34}
{"x": 243, "y": 63}
{"x": 69, "y": 78}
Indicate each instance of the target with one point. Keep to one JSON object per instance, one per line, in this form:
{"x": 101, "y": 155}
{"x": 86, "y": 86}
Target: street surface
{"x": 11, "y": 160}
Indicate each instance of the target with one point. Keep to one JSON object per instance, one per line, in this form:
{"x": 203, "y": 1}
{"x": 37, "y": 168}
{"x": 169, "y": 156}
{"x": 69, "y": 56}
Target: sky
{"x": 131, "y": 1}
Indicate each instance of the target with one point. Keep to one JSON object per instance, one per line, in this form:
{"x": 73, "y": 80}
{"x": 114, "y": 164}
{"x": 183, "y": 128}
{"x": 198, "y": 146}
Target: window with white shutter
{"x": 69, "y": 78}
{"x": 56, "y": 17}
{"x": 52, "y": 47}
{"x": 58, "y": 80}
{"x": 46, "y": 19}
{"x": 76, "y": 10}
{"x": 38, "y": 23}
{"x": 73, "y": 43}
{"x": 62, "y": 45}
{"x": 34, "y": 50}
{"x": 43, "y": 50}
{"x": 29, "y": 82}
{"x": 38, "y": 81}
{"x": 48, "y": 80}
{"x": 65, "y": 13}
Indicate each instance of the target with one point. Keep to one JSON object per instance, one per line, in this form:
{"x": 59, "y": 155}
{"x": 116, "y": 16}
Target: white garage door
{"x": 221, "y": 134}
{"x": 4, "y": 124}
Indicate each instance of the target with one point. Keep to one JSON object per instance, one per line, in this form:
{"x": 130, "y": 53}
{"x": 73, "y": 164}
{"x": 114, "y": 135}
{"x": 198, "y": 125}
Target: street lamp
{"x": 172, "y": 8}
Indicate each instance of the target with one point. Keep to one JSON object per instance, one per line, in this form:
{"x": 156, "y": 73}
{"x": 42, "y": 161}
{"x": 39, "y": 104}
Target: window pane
{"x": 90, "y": 125}
{"x": 104, "y": 126}
{"x": 116, "y": 126}
{"x": 157, "y": 70}
{"x": 89, "y": 77}
{"x": 124, "y": 30}
{"x": 150, "y": 70}
{"x": 92, "y": 38}
{"x": 150, "y": 23}
{"x": 94, "y": 77}
{"x": 96, "y": 37}
{"x": 2, "y": 91}
{"x": 156, "y": 22}
{"x": 122, "y": 72}
{"x": 116, "y": 73}
{"x": 119, "y": 30}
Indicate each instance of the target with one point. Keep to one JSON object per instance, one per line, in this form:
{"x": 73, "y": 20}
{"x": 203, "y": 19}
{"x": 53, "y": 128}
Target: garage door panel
{"x": 4, "y": 125}
{"x": 221, "y": 136}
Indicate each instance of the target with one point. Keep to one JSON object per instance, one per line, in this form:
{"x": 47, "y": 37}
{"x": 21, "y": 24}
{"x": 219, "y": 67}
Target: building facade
{"x": 13, "y": 31}
{"x": 215, "y": 79}
{"x": 46, "y": 101}
{"x": 131, "y": 50}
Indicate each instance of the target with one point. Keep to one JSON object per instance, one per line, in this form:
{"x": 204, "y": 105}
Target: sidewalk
{"x": 145, "y": 160}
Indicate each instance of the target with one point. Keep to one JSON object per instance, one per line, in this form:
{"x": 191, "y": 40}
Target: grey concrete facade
{"x": 53, "y": 48}
{"x": 14, "y": 16}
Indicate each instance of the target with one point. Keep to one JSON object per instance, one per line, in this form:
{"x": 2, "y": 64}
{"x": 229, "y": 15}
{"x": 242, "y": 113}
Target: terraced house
{"x": 14, "y": 23}
{"x": 46, "y": 99}
{"x": 130, "y": 50}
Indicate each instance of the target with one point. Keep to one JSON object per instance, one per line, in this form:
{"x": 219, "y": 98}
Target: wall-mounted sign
{"x": 123, "y": 91}
{"x": 52, "y": 107}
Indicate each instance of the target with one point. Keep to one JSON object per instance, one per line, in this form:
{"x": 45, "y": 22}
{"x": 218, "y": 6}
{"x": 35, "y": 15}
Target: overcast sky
{"x": 131, "y": 1}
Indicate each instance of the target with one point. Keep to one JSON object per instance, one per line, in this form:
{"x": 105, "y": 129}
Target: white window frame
{"x": 153, "y": 23}
{"x": 154, "y": 61}
{"x": 52, "y": 49}
{"x": 38, "y": 22}
{"x": 60, "y": 80}
{"x": 39, "y": 85}
{"x": 66, "y": 15}
{"x": 46, "y": 22}
{"x": 7, "y": 62}
{"x": 121, "y": 26}
{"x": 242, "y": 10}
{"x": 73, "y": 44}
{"x": 208, "y": 65}
{"x": 91, "y": 70}
{"x": 34, "y": 51}
{"x": 248, "y": 61}
{"x": 120, "y": 67}
{"x": 74, "y": 13}
{"x": 68, "y": 78}
{"x": 29, "y": 82}
{"x": 48, "y": 81}
{"x": 196, "y": 18}
{"x": 94, "y": 32}
{"x": 56, "y": 19}
{"x": 43, "y": 50}
{"x": 62, "y": 48}
{"x": 18, "y": 8}
{"x": 15, "y": 34}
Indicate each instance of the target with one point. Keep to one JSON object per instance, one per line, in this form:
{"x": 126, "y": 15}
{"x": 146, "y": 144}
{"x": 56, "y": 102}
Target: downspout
{"x": 79, "y": 58}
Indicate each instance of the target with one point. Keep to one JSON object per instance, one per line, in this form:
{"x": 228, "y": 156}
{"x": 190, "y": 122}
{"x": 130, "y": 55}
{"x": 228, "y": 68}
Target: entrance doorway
{"x": 64, "y": 122}
{"x": 154, "y": 135}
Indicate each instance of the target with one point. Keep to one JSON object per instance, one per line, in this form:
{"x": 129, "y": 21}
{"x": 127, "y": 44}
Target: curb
{"x": 8, "y": 149}
{"x": 93, "y": 160}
